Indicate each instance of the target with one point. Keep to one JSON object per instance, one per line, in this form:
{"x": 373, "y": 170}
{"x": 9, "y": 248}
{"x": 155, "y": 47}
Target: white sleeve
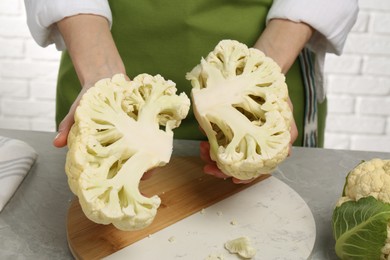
{"x": 42, "y": 16}
{"x": 332, "y": 20}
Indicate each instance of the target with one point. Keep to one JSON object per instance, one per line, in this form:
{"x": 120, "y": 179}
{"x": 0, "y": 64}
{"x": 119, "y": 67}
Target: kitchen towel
{"x": 16, "y": 160}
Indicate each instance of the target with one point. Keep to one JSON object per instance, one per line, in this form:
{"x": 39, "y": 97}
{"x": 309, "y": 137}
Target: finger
{"x": 238, "y": 181}
{"x": 212, "y": 169}
{"x": 293, "y": 131}
{"x": 60, "y": 140}
{"x": 205, "y": 152}
{"x": 63, "y": 131}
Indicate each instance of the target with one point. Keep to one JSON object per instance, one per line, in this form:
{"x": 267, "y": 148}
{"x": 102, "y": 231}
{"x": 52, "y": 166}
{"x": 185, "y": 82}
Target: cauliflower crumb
{"x": 233, "y": 222}
{"x": 172, "y": 239}
{"x": 202, "y": 211}
{"x": 241, "y": 246}
{"x": 219, "y": 213}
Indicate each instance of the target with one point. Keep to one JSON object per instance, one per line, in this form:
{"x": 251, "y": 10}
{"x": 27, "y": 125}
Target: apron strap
{"x": 307, "y": 61}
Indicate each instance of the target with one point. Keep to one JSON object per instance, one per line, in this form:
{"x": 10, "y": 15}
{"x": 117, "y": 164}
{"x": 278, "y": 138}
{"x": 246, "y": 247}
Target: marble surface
{"x": 276, "y": 230}
{"x": 32, "y": 225}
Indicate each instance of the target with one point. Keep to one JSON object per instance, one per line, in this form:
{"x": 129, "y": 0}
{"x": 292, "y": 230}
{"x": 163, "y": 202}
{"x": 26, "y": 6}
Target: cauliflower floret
{"x": 115, "y": 139}
{"x": 369, "y": 179}
{"x": 240, "y": 99}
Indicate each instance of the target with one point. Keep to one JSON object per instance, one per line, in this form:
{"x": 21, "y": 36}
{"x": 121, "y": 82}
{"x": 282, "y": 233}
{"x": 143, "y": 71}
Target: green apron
{"x": 170, "y": 37}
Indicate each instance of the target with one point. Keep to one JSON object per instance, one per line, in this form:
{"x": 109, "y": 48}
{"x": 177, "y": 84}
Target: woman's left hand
{"x": 211, "y": 167}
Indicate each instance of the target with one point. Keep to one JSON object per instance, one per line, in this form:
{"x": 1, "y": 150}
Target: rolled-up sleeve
{"x": 42, "y": 16}
{"x": 332, "y": 20}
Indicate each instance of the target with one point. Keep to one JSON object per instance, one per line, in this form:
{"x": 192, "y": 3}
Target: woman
{"x": 103, "y": 38}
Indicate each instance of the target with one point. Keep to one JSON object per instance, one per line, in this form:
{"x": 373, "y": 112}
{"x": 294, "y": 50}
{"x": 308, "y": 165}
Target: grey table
{"x": 33, "y": 224}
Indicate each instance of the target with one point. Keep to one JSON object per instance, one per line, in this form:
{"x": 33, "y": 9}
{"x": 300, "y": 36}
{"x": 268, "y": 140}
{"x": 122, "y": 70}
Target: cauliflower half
{"x": 240, "y": 100}
{"x": 117, "y": 137}
{"x": 361, "y": 219}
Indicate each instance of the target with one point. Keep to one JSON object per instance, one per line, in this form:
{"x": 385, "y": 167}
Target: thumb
{"x": 63, "y": 130}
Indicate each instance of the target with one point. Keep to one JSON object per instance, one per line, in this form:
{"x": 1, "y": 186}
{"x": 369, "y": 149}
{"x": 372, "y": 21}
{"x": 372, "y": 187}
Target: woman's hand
{"x": 94, "y": 55}
{"x": 282, "y": 40}
{"x": 63, "y": 129}
{"x": 211, "y": 167}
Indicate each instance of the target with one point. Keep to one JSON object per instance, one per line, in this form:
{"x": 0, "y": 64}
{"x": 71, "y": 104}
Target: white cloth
{"x": 16, "y": 160}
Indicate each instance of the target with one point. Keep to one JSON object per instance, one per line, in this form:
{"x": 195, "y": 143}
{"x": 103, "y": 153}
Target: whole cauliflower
{"x": 115, "y": 139}
{"x": 361, "y": 219}
{"x": 240, "y": 100}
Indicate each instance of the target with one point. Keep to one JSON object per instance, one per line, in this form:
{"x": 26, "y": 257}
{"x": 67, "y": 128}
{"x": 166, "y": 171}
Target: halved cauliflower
{"x": 240, "y": 100}
{"x": 115, "y": 139}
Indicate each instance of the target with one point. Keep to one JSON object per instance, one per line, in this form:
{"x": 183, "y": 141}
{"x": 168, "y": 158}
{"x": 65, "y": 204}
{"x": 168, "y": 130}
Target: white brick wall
{"x": 358, "y": 82}
{"x": 27, "y": 73}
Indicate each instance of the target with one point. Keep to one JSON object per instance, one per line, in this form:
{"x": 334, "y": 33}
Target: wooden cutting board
{"x": 184, "y": 190}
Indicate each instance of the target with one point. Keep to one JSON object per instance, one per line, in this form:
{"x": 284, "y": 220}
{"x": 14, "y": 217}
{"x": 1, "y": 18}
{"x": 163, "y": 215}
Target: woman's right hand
{"x": 66, "y": 124}
{"x": 94, "y": 55}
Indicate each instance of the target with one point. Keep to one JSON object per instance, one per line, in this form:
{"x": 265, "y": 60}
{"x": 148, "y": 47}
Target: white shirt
{"x": 332, "y": 20}
{"x": 42, "y": 16}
